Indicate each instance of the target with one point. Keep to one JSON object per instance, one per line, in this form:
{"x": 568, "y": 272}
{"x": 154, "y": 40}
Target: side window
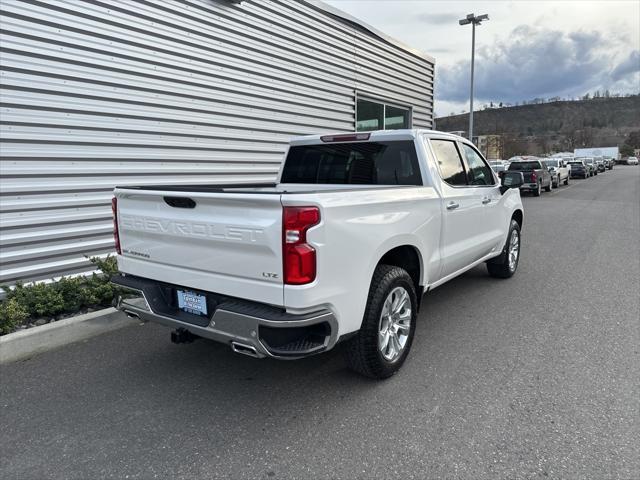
{"x": 479, "y": 172}
{"x": 449, "y": 162}
{"x": 398, "y": 165}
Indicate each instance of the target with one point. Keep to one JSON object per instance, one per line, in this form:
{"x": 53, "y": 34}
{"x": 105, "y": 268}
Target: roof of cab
{"x": 376, "y": 135}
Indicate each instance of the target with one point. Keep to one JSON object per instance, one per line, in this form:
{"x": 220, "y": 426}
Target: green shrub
{"x": 67, "y": 295}
{"x": 12, "y": 314}
{"x": 40, "y": 299}
{"x": 108, "y": 265}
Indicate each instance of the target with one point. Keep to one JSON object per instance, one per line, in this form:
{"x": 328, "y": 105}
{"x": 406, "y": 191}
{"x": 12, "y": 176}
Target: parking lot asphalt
{"x": 532, "y": 377}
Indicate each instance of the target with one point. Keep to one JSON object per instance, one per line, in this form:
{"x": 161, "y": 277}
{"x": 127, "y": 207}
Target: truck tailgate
{"x": 527, "y": 176}
{"x": 228, "y": 243}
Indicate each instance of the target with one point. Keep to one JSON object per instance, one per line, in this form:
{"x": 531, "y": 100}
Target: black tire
{"x": 362, "y": 352}
{"x": 585, "y": 175}
{"x": 499, "y": 267}
{"x": 549, "y": 187}
{"x": 538, "y": 191}
{"x": 566, "y": 180}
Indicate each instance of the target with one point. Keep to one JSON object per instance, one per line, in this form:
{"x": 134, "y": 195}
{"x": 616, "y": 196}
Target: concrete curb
{"x": 32, "y": 341}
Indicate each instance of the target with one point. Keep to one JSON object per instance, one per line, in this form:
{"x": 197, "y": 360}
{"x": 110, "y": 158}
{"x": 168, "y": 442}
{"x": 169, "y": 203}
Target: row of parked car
{"x": 589, "y": 166}
{"x": 549, "y": 173}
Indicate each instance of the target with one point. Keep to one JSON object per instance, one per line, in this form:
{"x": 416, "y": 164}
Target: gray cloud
{"x": 439, "y": 50}
{"x": 438, "y": 18}
{"x": 627, "y": 67}
{"x": 536, "y": 62}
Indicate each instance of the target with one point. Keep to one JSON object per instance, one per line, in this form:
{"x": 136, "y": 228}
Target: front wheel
{"x": 381, "y": 346}
{"x": 506, "y": 264}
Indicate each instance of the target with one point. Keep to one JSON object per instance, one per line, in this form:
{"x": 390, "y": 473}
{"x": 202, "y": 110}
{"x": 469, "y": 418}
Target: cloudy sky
{"x": 527, "y": 49}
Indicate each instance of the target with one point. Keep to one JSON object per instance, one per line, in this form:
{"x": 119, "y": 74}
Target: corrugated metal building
{"x": 103, "y": 92}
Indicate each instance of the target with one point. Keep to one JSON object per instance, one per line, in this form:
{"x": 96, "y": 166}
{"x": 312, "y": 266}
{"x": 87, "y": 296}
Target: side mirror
{"x": 511, "y": 180}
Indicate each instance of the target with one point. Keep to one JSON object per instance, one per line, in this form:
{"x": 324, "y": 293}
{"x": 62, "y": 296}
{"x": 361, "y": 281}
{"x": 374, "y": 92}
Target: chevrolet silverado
{"x": 342, "y": 247}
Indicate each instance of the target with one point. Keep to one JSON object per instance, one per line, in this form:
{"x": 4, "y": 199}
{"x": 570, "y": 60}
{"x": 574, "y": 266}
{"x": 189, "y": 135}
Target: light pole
{"x": 473, "y": 20}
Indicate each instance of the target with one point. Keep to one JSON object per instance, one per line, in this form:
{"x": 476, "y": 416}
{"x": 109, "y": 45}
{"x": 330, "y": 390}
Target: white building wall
{"x": 104, "y": 92}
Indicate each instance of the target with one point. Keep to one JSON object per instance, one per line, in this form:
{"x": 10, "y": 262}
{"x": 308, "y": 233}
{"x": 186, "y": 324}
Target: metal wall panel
{"x": 98, "y": 93}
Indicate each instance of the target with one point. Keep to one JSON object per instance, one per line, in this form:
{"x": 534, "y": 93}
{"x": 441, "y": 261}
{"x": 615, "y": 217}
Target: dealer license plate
{"x": 192, "y": 302}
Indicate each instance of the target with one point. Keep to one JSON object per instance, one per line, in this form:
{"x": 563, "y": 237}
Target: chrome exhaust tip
{"x": 244, "y": 349}
{"x": 131, "y": 314}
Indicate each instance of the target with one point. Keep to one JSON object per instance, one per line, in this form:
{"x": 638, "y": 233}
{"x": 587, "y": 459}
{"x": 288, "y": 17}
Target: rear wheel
{"x": 566, "y": 180}
{"x": 381, "y": 346}
{"x": 549, "y": 187}
{"x": 505, "y": 265}
{"x": 538, "y": 191}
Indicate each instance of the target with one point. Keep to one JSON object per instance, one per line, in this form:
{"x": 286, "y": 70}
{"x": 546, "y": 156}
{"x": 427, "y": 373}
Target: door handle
{"x": 486, "y": 200}
{"x": 452, "y": 205}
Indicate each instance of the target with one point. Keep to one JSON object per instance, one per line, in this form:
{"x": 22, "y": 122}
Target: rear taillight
{"x": 116, "y": 233}
{"x": 534, "y": 177}
{"x": 298, "y": 257}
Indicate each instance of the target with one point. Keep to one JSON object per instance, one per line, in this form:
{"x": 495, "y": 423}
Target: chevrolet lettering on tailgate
{"x": 190, "y": 229}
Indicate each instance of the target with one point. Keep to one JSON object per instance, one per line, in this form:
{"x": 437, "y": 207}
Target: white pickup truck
{"x": 342, "y": 248}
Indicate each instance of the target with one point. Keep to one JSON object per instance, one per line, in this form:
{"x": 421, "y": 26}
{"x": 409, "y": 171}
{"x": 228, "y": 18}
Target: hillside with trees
{"x": 544, "y": 126}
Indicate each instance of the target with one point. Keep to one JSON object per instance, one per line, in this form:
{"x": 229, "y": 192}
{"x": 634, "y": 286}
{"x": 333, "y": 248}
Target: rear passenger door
{"x": 482, "y": 179}
{"x": 463, "y": 222}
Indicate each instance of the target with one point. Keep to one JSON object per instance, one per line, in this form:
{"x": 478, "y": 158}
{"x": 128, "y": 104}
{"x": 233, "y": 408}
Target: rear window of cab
{"x": 517, "y": 166}
{"x": 363, "y": 163}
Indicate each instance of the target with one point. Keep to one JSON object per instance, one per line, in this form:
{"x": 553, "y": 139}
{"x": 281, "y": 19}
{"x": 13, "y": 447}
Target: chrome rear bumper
{"x": 247, "y": 327}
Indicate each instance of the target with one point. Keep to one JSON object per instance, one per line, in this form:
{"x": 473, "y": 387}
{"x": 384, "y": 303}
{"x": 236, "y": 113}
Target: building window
{"x": 371, "y": 115}
{"x": 395, "y": 117}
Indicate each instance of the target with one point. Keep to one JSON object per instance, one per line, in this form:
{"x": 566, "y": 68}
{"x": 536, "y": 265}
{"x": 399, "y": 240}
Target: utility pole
{"x": 473, "y": 20}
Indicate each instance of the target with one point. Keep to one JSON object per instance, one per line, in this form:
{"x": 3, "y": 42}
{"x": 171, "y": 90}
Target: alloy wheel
{"x": 395, "y": 324}
{"x": 514, "y": 249}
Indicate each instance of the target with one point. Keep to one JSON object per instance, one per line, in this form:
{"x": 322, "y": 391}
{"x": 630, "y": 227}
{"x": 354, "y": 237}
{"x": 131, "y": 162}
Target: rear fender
{"x": 395, "y": 242}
